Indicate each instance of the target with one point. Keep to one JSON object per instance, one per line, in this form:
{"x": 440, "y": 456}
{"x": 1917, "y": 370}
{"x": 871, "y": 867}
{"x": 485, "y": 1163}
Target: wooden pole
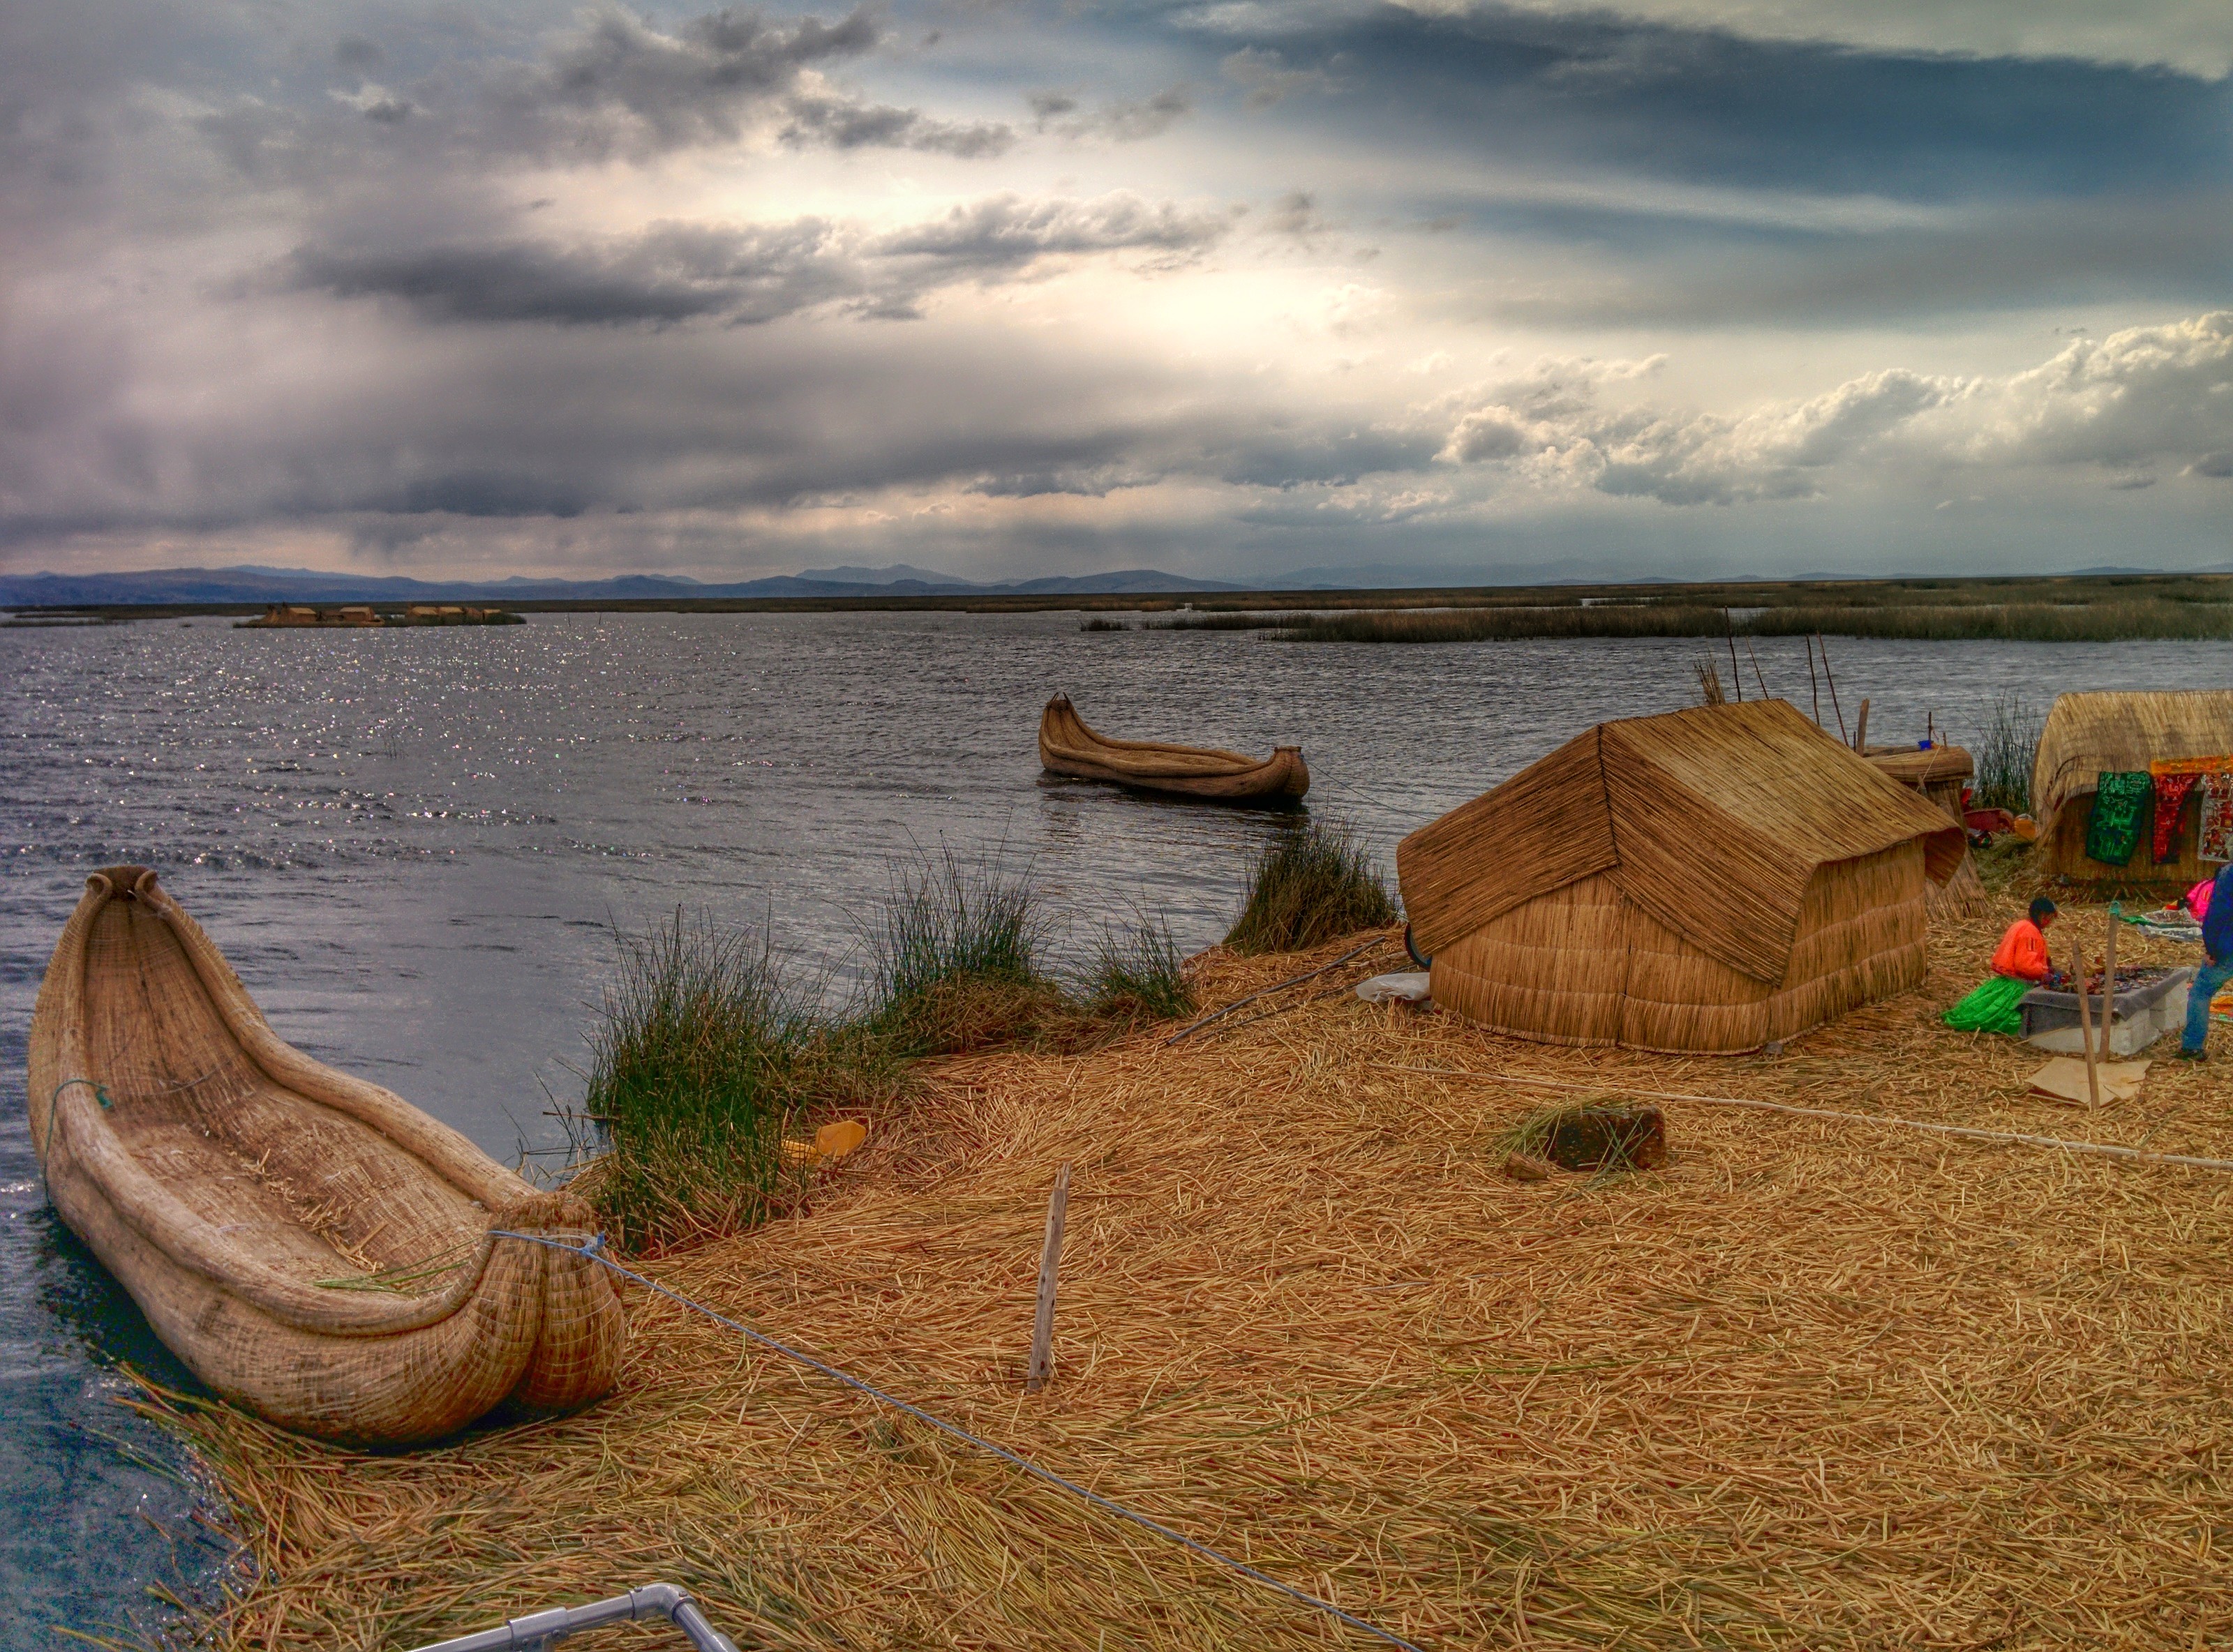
{"x": 1814, "y": 682}
{"x": 1042, "y": 1366}
{"x": 1861, "y": 731}
{"x": 2109, "y": 988}
{"x": 1830, "y": 678}
{"x": 1736, "y": 676}
{"x": 1753, "y": 653}
{"x": 2084, "y": 1019}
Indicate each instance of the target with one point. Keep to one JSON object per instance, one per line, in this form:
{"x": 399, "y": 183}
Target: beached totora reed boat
{"x": 314, "y": 1248}
{"x": 1068, "y": 747}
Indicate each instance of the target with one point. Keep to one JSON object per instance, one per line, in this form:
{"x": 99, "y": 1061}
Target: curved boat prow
{"x": 311, "y": 1245}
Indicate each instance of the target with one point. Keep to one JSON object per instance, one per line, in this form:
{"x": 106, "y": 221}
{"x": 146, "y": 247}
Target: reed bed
{"x": 1964, "y": 616}
{"x": 2003, "y": 751}
{"x": 1812, "y": 1385}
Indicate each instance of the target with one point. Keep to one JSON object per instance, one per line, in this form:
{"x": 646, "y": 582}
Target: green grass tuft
{"x": 696, "y": 1063}
{"x": 1135, "y": 975}
{"x": 958, "y": 959}
{"x": 2003, "y": 754}
{"x": 1312, "y": 883}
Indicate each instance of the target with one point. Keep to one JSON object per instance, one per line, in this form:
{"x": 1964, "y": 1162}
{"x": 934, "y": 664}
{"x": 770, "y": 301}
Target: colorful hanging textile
{"x": 2190, "y": 765}
{"x": 2215, "y": 842}
{"x": 1991, "y": 1006}
{"x": 2114, "y": 830}
{"x": 2170, "y": 806}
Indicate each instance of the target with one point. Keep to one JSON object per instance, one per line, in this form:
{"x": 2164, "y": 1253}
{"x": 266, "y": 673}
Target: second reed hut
{"x": 1706, "y": 881}
{"x": 2087, "y": 736}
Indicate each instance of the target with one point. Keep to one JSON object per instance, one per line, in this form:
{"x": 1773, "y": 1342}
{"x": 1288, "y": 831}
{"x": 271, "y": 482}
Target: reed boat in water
{"x": 1067, "y": 746}
{"x": 312, "y": 1246}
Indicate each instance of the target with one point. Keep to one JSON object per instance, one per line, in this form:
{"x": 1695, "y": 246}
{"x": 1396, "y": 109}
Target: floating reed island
{"x": 1813, "y": 1383}
{"x": 284, "y": 616}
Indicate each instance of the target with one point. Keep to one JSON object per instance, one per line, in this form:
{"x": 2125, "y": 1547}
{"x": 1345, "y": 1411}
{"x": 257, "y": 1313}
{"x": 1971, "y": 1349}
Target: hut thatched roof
{"x": 1712, "y": 820}
{"x": 2086, "y": 734}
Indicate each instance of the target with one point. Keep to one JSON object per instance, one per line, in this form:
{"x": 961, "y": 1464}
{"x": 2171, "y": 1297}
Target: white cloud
{"x": 2136, "y": 402}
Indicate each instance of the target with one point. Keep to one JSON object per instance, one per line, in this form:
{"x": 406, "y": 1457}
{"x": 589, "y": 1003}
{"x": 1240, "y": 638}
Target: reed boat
{"x": 1067, "y": 746}
{"x": 313, "y": 1247}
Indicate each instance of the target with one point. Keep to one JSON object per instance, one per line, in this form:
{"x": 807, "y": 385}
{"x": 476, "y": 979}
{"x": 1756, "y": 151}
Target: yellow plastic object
{"x": 830, "y": 1141}
{"x": 2027, "y": 828}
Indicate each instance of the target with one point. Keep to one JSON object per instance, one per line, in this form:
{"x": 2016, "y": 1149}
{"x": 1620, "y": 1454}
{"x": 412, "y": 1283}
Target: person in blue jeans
{"x": 2217, "y": 941}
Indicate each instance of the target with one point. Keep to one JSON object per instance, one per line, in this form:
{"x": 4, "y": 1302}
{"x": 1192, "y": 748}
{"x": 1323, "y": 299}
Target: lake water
{"x": 415, "y": 845}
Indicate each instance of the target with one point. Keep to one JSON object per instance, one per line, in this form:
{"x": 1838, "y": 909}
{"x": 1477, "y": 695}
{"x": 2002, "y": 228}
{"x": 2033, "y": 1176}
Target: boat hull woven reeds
{"x": 1943, "y": 775}
{"x": 1068, "y": 747}
{"x": 2085, "y": 735}
{"x": 312, "y": 1246}
{"x": 1706, "y": 882}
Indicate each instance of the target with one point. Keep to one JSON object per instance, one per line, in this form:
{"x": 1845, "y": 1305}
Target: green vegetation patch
{"x": 1312, "y": 883}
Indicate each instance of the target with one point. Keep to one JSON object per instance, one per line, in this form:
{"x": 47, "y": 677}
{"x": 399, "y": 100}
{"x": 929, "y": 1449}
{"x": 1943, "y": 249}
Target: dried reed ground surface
{"x": 1814, "y": 1385}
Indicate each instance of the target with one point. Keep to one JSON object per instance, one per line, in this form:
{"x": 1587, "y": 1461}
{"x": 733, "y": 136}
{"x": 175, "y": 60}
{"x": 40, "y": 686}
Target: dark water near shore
{"x": 414, "y": 846}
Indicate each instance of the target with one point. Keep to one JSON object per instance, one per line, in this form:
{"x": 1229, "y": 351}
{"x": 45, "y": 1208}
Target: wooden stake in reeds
{"x": 2109, "y": 988}
{"x": 1753, "y": 653}
{"x": 1042, "y": 1365}
{"x": 1737, "y": 676}
{"x": 2084, "y": 1019}
{"x": 1814, "y": 682}
{"x": 1861, "y": 730}
{"x": 1830, "y": 678}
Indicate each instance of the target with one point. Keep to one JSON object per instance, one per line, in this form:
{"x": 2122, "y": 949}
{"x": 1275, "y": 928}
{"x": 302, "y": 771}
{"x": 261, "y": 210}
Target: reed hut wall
{"x": 2087, "y": 735}
{"x": 1704, "y": 882}
{"x": 1582, "y": 965}
{"x": 2064, "y": 842}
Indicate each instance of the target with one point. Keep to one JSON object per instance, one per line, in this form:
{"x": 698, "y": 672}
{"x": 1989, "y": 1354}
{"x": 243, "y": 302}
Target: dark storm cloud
{"x": 620, "y": 85}
{"x": 593, "y": 423}
{"x": 1656, "y": 268}
{"x": 1698, "y": 104}
{"x": 675, "y": 272}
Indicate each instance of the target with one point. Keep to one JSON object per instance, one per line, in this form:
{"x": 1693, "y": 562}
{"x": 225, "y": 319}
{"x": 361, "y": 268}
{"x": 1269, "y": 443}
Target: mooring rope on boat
{"x": 595, "y": 1250}
{"x": 2016, "y": 1138}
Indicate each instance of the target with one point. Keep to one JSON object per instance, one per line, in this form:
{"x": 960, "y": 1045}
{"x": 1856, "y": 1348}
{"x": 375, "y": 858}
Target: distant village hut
{"x": 1941, "y": 775}
{"x": 1706, "y": 882}
{"x": 2149, "y": 744}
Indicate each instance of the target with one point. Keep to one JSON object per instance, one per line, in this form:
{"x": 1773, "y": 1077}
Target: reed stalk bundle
{"x": 1810, "y": 1385}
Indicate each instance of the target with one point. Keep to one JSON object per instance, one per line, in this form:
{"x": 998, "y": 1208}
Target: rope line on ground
{"x": 1188, "y": 1030}
{"x": 595, "y": 1250}
{"x": 2106, "y": 1149}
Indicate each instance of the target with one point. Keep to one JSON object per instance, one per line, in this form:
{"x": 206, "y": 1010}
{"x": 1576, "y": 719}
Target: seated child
{"x": 2021, "y": 955}
{"x": 2020, "y": 963}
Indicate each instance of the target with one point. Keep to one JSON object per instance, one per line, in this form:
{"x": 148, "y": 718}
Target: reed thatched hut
{"x": 2087, "y": 736}
{"x": 1706, "y": 881}
{"x": 1941, "y": 775}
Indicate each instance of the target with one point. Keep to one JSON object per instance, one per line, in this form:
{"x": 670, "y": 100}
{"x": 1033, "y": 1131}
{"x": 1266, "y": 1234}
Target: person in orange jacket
{"x": 2021, "y": 955}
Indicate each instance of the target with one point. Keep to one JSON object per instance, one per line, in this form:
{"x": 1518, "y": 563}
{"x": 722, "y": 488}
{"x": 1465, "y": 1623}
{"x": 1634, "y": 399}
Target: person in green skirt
{"x": 2020, "y": 963}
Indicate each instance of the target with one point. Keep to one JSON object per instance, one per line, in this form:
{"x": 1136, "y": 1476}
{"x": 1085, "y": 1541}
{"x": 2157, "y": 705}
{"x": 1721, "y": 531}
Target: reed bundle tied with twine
{"x": 1812, "y": 1384}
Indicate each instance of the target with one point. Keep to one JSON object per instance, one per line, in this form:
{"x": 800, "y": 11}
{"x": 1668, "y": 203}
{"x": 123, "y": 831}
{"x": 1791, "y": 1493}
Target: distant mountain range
{"x": 249, "y": 583}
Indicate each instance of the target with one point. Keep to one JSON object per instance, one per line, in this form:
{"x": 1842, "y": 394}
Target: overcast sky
{"x": 1670, "y": 286}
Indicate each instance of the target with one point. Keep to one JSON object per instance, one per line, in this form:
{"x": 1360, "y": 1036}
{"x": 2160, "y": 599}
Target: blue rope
{"x": 99, "y": 1094}
{"x": 594, "y": 1251}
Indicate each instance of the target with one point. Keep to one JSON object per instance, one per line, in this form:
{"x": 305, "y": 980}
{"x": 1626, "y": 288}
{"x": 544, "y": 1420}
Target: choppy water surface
{"x": 414, "y": 846}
